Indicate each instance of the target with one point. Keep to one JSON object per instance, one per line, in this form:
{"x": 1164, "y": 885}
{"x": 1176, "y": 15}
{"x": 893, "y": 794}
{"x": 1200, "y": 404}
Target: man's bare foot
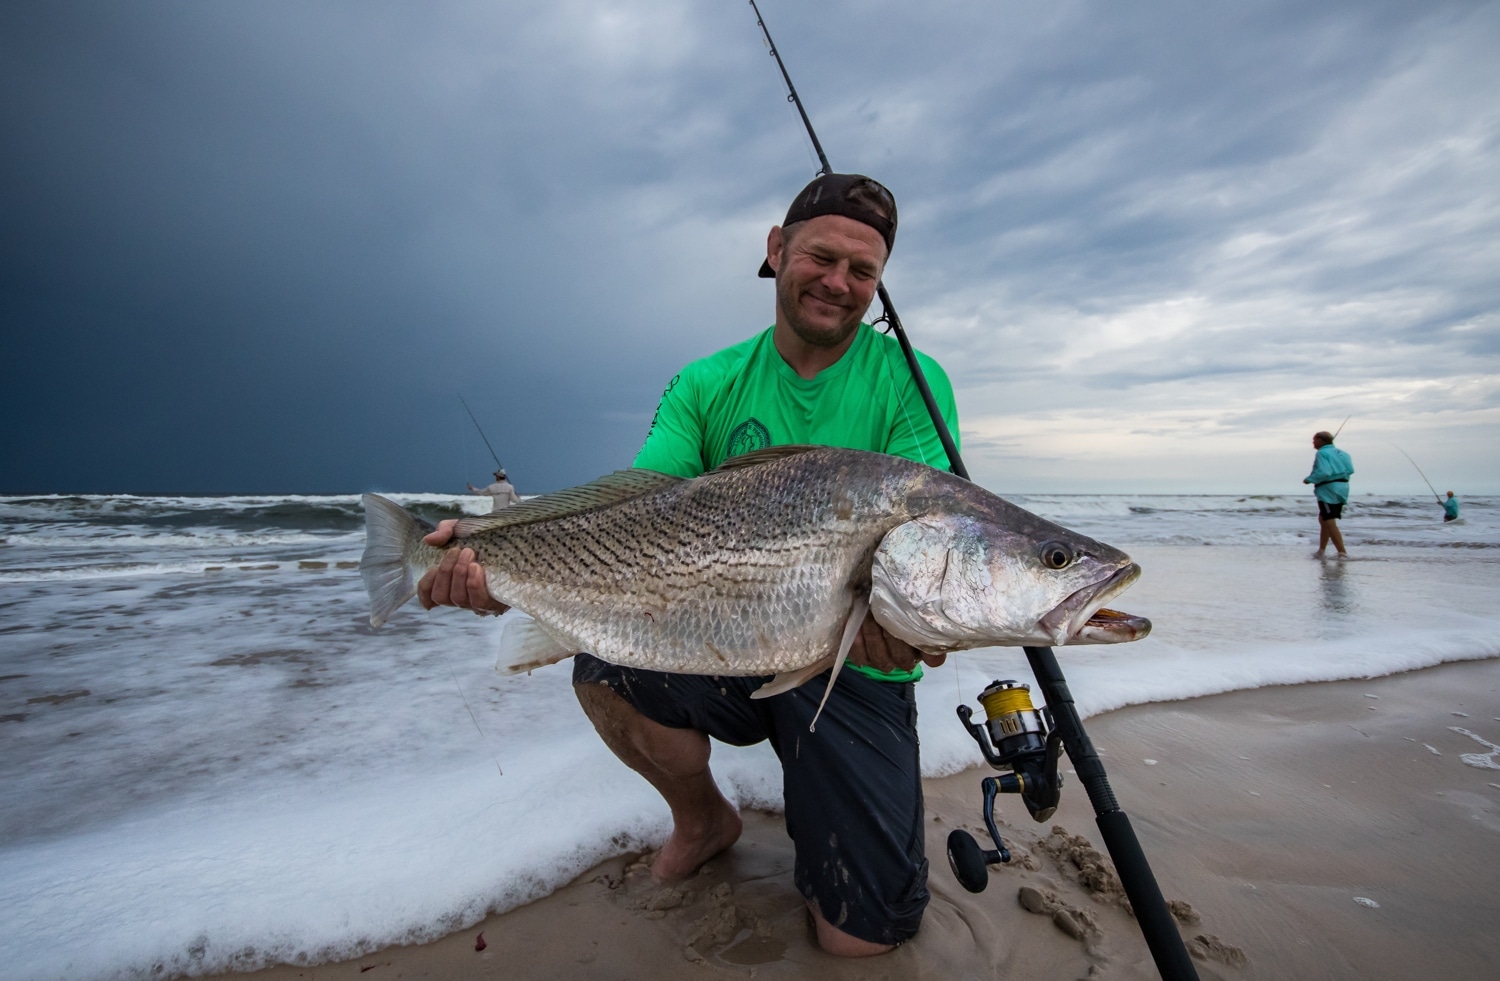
{"x": 686, "y": 851}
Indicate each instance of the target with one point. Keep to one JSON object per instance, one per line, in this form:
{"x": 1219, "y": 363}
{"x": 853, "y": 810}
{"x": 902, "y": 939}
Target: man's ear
{"x": 775, "y": 241}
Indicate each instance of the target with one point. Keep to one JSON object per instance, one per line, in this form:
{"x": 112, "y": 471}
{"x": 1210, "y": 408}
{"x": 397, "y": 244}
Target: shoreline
{"x": 1270, "y": 813}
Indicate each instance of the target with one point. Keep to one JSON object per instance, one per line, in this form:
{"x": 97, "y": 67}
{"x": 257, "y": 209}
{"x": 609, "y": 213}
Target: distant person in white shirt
{"x": 501, "y": 492}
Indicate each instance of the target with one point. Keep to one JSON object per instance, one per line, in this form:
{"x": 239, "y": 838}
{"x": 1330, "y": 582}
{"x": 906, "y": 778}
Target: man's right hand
{"x": 458, "y": 580}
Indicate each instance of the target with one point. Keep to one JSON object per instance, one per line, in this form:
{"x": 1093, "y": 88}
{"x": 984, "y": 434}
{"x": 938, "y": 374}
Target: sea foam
{"x": 208, "y": 770}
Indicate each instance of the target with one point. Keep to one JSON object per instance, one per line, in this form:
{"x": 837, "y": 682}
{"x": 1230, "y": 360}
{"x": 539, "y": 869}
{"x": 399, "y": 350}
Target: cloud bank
{"x": 264, "y": 247}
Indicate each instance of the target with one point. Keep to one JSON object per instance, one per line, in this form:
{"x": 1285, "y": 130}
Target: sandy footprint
{"x": 1083, "y": 863}
{"x": 1076, "y": 923}
{"x": 731, "y": 934}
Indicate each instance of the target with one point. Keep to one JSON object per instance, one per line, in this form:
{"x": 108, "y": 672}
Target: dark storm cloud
{"x": 263, "y": 246}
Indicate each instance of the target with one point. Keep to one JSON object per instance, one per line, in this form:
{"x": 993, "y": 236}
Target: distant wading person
{"x": 1450, "y": 508}
{"x": 853, "y": 788}
{"x": 1330, "y": 475}
{"x": 501, "y": 492}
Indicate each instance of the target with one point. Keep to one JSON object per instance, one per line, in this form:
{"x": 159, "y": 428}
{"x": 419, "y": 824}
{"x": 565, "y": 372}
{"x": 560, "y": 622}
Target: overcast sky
{"x": 264, "y": 246}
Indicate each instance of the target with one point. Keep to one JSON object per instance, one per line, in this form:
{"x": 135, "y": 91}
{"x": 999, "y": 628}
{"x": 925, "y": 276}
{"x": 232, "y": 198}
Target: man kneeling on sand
{"x": 853, "y": 789}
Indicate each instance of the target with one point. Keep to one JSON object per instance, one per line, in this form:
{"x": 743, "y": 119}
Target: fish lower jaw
{"x": 1072, "y": 614}
{"x": 1111, "y": 627}
{"x": 950, "y": 642}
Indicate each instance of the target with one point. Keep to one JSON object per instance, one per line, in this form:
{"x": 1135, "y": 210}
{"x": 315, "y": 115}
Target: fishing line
{"x": 1424, "y": 476}
{"x": 1066, "y": 726}
{"x": 498, "y": 464}
{"x": 888, "y": 310}
{"x": 472, "y": 718}
{"x": 958, "y": 688}
{"x": 463, "y": 444}
{"x": 905, "y": 412}
{"x": 483, "y": 737}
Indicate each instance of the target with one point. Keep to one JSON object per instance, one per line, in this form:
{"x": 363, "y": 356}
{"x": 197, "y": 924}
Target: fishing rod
{"x": 498, "y": 464}
{"x": 1424, "y": 476}
{"x": 1344, "y": 423}
{"x": 888, "y": 314}
{"x": 1027, "y": 742}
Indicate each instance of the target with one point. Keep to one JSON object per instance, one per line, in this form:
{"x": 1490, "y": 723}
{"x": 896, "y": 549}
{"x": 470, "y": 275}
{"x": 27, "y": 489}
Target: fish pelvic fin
{"x": 787, "y": 680}
{"x": 525, "y": 645}
{"x": 391, "y": 535}
{"x": 851, "y": 630}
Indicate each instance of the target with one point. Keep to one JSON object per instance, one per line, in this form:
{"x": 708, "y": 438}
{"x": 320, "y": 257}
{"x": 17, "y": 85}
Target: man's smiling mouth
{"x": 829, "y": 304}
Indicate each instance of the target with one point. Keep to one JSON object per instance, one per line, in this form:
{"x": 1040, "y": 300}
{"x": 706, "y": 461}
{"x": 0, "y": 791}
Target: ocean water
{"x": 211, "y": 761}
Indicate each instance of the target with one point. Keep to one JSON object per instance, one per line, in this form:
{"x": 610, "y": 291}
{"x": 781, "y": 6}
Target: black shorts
{"x": 1329, "y": 512}
{"x": 853, "y": 788}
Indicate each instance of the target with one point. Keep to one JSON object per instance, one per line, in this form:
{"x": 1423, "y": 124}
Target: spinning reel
{"x": 1024, "y": 744}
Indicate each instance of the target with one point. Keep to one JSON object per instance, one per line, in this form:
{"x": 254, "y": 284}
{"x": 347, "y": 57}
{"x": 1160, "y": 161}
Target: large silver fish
{"x": 767, "y": 565}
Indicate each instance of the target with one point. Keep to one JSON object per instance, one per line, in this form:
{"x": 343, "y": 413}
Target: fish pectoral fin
{"x": 856, "y": 620}
{"x": 525, "y": 645}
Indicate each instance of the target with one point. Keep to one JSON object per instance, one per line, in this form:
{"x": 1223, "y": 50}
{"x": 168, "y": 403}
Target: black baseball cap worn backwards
{"x": 850, "y": 195}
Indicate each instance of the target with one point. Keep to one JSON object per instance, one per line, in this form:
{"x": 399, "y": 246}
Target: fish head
{"x": 952, "y": 582}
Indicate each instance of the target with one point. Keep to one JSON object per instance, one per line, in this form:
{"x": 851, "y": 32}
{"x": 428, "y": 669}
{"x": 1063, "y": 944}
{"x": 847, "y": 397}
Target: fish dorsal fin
{"x": 622, "y": 485}
{"x": 757, "y": 457}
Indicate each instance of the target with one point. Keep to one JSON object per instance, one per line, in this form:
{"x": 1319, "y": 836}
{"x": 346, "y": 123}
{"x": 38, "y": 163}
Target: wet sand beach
{"x": 1331, "y": 830}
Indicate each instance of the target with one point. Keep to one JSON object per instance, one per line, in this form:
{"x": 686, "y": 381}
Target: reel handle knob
{"x": 969, "y": 862}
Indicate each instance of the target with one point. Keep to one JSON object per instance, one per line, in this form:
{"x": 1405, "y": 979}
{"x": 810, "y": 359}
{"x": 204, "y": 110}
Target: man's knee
{"x": 618, "y": 722}
{"x": 638, "y": 740}
{"x": 599, "y": 700}
{"x": 840, "y": 944}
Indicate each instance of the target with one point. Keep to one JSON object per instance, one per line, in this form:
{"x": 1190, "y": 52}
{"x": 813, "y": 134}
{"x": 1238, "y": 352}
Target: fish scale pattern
{"x": 741, "y": 572}
{"x": 753, "y": 568}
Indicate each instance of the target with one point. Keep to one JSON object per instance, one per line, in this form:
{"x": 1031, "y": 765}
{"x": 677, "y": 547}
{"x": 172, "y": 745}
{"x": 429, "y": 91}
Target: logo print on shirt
{"x": 657, "y": 415}
{"x": 749, "y": 435}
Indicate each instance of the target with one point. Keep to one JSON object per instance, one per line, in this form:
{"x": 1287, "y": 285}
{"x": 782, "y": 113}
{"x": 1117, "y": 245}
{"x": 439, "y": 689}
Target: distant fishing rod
{"x": 888, "y": 310}
{"x": 498, "y": 464}
{"x": 1032, "y": 760}
{"x": 1424, "y": 476}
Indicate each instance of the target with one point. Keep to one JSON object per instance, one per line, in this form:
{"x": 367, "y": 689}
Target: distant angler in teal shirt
{"x": 1450, "y": 508}
{"x": 1330, "y": 475}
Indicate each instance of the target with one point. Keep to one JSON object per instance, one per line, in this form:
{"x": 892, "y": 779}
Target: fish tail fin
{"x": 392, "y": 535}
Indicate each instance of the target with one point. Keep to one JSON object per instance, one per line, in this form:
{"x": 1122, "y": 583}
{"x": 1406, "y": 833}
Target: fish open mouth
{"x": 1110, "y": 627}
{"x": 1082, "y": 619}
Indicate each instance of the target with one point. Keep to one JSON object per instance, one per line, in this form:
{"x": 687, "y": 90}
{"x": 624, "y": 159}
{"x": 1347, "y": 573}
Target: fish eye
{"x": 1056, "y": 555}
